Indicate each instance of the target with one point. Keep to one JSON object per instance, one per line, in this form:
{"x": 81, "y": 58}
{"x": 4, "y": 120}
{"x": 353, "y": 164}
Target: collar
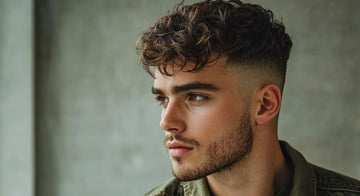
{"x": 304, "y": 180}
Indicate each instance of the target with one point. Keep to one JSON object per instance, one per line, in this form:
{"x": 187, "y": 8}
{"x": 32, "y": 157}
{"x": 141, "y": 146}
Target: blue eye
{"x": 197, "y": 97}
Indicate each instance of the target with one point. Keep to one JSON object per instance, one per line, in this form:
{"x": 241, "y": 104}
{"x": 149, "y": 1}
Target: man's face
{"x": 205, "y": 119}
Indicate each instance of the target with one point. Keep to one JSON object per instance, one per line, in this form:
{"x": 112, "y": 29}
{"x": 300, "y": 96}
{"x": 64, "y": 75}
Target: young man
{"x": 219, "y": 71}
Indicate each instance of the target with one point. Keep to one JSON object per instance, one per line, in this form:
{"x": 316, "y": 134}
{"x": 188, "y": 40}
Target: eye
{"x": 197, "y": 97}
{"x": 162, "y": 100}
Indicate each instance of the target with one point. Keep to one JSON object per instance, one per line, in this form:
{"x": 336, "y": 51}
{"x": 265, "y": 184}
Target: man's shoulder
{"x": 329, "y": 182}
{"x": 313, "y": 180}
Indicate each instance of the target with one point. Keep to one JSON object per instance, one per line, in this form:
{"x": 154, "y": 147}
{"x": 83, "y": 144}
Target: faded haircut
{"x": 244, "y": 33}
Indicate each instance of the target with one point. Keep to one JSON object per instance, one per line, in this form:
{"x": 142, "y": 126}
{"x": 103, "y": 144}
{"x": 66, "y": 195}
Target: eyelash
{"x": 161, "y": 99}
{"x": 190, "y": 97}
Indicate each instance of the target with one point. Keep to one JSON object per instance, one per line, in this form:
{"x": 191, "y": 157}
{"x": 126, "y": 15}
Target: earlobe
{"x": 269, "y": 104}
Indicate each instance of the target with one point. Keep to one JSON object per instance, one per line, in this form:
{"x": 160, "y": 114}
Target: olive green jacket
{"x": 308, "y": 180}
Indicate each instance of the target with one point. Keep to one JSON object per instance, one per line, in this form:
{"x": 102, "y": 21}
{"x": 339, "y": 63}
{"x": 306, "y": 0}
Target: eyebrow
{"x": 187, "y": 87}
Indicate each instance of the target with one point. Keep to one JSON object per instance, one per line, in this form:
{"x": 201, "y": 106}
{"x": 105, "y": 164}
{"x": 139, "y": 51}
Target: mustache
{"x": 184, "y": 140}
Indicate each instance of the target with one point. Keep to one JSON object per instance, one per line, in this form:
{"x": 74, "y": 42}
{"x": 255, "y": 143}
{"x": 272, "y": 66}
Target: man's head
{"x": 219, "y": 71}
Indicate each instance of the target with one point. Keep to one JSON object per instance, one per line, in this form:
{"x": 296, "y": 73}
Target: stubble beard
{"x": 220, "y": 155}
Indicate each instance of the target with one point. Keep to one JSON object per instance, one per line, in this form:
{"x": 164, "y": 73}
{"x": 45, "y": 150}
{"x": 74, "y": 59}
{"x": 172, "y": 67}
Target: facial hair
{"x": 220, "y": 155}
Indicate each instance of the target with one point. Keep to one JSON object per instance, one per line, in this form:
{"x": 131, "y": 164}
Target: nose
{"x": 172, "y": 118}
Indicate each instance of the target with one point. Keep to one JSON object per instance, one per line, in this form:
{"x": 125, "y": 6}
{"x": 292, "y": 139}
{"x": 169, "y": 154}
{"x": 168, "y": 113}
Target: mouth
{"x": 177, "y": 149}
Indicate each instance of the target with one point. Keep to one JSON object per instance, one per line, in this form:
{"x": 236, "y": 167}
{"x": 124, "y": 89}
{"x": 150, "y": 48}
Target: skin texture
{"x": 224, "y": 120}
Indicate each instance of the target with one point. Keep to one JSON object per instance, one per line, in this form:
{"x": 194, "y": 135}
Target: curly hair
{"x": 244, "y": 33}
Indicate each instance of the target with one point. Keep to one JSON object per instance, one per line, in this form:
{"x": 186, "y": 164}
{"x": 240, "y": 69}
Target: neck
{"x": 263, "y": 172}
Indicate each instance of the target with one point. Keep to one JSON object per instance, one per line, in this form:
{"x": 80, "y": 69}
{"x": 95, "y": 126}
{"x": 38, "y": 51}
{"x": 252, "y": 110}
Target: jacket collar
{"x": 196, "y": 187}
{"x": 304, "y": 179}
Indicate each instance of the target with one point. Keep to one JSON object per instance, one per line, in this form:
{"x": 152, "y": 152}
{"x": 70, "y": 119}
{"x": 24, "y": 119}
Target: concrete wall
{"x": 97, "y": 122}
{"x": 97, "y": 129}
{"x": 321, "y": 111}
{"x": 16, "y": 98}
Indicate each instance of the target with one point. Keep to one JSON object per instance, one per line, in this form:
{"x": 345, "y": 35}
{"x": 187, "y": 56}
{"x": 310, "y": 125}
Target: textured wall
{"x": 16, "y": 98}
{"x": 97, "y": 124}
{"x": 321, "y": 113}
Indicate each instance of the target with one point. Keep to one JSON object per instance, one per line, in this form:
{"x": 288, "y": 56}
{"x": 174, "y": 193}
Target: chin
{"x": 187, "y": 173}
{"x": 184, "y": 177}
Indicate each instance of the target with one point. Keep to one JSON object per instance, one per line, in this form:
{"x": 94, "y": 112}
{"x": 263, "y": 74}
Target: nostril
{"x": 172, "y": 125}
{"x": 173, "y": 129}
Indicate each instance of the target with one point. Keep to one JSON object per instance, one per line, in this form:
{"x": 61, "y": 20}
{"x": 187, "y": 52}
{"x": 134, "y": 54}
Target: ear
{"x": 269, "y": 102}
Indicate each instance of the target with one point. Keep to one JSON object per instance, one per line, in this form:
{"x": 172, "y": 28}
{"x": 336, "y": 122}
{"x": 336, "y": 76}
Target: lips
{"x": 177, "y": 149}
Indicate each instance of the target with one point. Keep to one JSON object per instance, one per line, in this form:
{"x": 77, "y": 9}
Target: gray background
{"x": 16, "y": 99}
{"x": 89, "y": 125}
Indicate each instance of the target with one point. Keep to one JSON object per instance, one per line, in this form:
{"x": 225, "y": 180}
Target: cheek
{"x": 216, "y": 120}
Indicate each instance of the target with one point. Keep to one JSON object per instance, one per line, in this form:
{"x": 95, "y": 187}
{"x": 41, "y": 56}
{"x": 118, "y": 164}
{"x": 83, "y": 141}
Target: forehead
{"x": 214, "y": 73}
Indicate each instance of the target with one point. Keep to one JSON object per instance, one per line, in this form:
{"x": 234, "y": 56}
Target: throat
{"x": 249, "y": 177}
{"x": 230, "y": 180}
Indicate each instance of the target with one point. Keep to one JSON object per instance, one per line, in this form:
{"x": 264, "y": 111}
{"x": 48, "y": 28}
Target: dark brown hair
{"x": 244, "y": 33}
